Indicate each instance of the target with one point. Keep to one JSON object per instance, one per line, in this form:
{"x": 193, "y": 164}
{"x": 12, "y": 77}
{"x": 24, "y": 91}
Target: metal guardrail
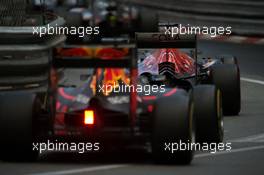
{"x": 25, "y": 58}
{"x": 24, "y": 37}
{"x": 244, "y": 16}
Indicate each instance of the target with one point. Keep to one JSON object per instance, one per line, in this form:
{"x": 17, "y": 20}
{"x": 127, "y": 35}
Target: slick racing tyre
{"x": 229, "y": 59}
{"x": 208, "y": 114}
{"x": 227, "y": 78}
{"x": 17, "y": 112}
{"x": 173, "y": 125}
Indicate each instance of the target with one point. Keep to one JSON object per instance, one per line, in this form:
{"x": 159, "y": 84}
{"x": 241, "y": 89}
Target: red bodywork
{"x": 184, "y": 64}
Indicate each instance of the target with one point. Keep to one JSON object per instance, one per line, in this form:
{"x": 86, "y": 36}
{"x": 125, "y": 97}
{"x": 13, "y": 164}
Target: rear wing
{"x": 162, "y": 40}
{"x": 93, "y": 60}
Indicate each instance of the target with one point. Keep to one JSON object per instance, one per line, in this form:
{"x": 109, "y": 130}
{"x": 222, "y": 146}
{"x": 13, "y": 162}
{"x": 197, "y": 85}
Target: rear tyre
{"x": 227, "y": 78}
{"x": 208, "y": 114}
{"x": 173, "y": 124}
{"x": 17, "y": 112}
{"x": 229, "y": 59}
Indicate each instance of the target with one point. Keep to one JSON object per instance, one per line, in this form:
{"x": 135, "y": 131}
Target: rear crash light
{"x": 88, "y": 117}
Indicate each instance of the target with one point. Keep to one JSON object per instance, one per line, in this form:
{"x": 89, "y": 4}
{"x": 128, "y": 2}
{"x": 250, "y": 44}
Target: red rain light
{"x": 88, "y": 117}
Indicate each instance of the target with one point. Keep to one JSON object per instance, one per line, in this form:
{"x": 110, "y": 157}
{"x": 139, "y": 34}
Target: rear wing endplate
{"x": 162, "y": 40}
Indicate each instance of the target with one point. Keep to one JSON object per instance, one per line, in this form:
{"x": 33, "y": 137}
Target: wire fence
{"x": 19, "y": 12}
{"x": 13, "y": 12}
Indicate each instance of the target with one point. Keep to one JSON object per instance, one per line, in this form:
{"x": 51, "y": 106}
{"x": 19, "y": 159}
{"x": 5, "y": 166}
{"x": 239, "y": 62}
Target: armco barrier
{"x": 25, "y": 58}
{"x": 244, "y": 16}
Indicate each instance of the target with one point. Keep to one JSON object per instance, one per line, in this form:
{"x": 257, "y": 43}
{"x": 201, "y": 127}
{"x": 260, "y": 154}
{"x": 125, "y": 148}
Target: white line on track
{"x": 231, "y": 151}
{"x": 252, "y": 80}
{"x": 260, "y": 141}
{"x": 109, "y": 167}
{"x": 81, "y": 170}
{"x": 252, "y": 138}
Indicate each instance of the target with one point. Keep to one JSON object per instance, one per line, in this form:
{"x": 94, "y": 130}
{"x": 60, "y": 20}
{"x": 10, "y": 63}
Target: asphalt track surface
{"x": 245, "y": 132}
